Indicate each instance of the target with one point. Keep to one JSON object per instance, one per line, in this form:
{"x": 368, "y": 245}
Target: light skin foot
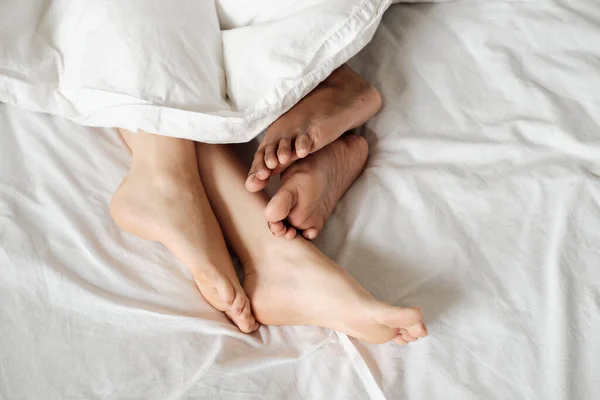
{"x": 311, "y": 187}
{"x": 162, "y": 199}
{"x": 290, "y": 282}
{"x": 341, "y": 102}
{"x": 295, "y": 284}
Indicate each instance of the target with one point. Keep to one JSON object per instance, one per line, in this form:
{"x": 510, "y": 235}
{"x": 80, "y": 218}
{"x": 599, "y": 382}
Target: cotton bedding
{"x": 480, "y": 203}
{"x": 212, "y": 71}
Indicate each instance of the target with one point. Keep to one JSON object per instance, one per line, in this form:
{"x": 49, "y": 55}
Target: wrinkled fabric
{"x": 480, "y": 203}
{"x": 209, "y": 71}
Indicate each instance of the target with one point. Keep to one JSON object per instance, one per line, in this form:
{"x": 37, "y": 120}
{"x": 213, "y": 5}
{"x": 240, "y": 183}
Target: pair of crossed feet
{"x": 318, "y": 161}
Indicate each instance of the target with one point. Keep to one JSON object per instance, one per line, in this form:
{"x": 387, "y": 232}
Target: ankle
{"x": 160, "y": 153}
{"x": 258, "y": 250}
{"x": 168, "y": 183}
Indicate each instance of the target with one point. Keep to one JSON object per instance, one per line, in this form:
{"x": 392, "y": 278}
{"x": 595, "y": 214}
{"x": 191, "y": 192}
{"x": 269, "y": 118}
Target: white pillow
{"x": 208, "y": 71}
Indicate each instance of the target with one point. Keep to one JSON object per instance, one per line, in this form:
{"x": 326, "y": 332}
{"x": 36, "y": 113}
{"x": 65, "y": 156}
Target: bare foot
{"x": 295, "y": 284}
{"x": 341, "y": 102}
{"x": 311, "y": 188}
{"x": 173, "y": 209}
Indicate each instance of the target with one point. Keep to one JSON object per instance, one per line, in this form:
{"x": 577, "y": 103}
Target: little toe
{"x": 310, "y": 233}
{"x": 284, "y": 152}
{"x": 271, "y": 160}
{"x": 303, "y": 145}
{"x": 280, "y": 205}
{"x": 290, "y": 234}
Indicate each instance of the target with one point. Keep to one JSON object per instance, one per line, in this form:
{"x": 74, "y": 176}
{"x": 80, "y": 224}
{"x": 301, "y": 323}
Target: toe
{"x": 246, "y": 314}
{"x": 284, "y": 152}
{"x": 310, "y": 233}
{"x": 278, "y": 228}
{"x": 254, "y": 184}
{"x": 240, "y": 314}
{"x": 253, "y": 324}
{"x": 227, "y": 297}
{"x": 290, "y": 234}
{"x": 406, "y": 336}
{"x": 281, "y": 204}
{"x": 271, "y": 160}
{"x": 399, "y": 340}
{"x": 303, "y": 145}
{"x": 259, "y": 173}
{"x": 418, "y": 330}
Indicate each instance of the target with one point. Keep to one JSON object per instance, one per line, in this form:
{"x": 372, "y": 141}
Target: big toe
{"x": 310, "y": 233}
{"x": 280, "y": 205}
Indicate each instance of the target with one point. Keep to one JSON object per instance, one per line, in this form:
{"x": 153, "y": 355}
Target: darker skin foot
{"x": 340, "y": 103}
{"x": 311, "y": 187}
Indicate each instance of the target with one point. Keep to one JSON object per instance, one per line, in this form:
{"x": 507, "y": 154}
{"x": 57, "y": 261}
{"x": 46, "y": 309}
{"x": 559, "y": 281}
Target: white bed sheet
{"x": 480, "y": 203}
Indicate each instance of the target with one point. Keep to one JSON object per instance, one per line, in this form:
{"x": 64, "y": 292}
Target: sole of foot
{"x": 174, "y": 211}
{"x": 341, "y": 102}
{"x": 311, "y": 187}
{"x": 295, "y": 284}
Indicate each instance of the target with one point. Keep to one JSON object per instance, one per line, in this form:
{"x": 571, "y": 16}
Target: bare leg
{"x": 162, "y": 199}
{"x": 290, "y": 282}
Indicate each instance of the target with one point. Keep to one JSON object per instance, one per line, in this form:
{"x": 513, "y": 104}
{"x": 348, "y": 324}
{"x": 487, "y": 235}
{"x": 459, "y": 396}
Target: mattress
{"x": 480, "y": 203}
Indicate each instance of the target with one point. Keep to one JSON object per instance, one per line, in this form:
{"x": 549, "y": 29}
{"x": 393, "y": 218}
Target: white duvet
{"x": 213, "y": 71}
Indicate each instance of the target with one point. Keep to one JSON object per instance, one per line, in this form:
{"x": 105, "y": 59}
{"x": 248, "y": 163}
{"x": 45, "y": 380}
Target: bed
{"x": 480, "y": 203}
